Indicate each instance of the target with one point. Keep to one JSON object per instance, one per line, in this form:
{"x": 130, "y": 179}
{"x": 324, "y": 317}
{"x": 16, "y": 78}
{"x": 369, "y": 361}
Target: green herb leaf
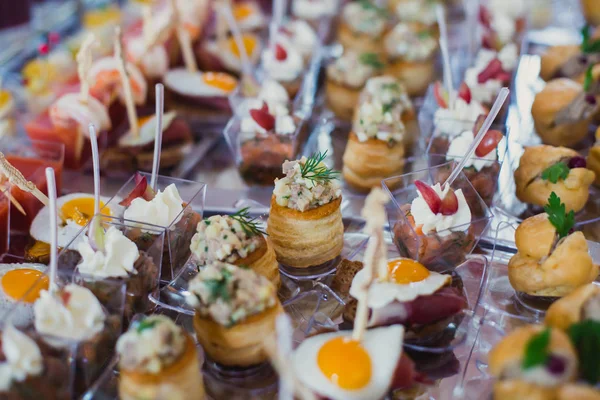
{"x": 556, "y": 172}
{"x": 314, "y": 169}
{"x": 249, "y": 225}
{"x": 558, "y": 216}
{"x": 217, "y": 288}
{"x": 145, "y": 324}
{"x": 536, "y": 350}
{"x": 391, "y": 86}
{"x": 369, "y": 5}
{"x": 389, "y": 106}
{"x": 587, "y": 83}
{"x": 586, "y": 45}
{"x": 585, "y": 336}
{"x": 372, "y": 60}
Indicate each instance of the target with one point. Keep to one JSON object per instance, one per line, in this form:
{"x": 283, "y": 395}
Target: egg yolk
{"x": 404, "y": 271}
{"x": 249, "y": 45}
{"x": 242, "y": 11}
{"x": 144, "y": 120}
{"x": 345, "y": 363}
{"x": 220, "y": 81}
{"x": 80, "y": 210}
{"x": 5, "y": 97}
{"x": 18, "y": 282}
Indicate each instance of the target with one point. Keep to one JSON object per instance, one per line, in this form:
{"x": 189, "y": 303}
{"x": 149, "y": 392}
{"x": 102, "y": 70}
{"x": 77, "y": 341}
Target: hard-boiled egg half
{"x": 75, "y": 211}
{"x": 407, "y": 279}
{"x": 147, "y": 126}
{"x": 228, "y": 51}
{"x": 339, "y": 368}
{"x": 200, "y": 84}
{"x": 248, "y": 15}
{"x": 21, "y": 282}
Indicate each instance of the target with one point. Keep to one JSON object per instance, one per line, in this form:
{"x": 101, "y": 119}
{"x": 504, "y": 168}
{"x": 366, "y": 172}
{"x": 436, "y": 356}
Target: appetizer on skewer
{"x": 383, "y": 131}
{"x": 551, "y": 259}
{"x": 362, "y": 27}
{"x": 546, "y": 169}
{"x": 410, "y": 51}
{"x": 235, "y": 239}
{"x": 305, "y": 222}
{"x": 580, "y": 305}
{"x": 346, "y": 77}
{"x": 158, "y": 359}
{"x": 563, "y": 111}
{"x": 236, "y": 309}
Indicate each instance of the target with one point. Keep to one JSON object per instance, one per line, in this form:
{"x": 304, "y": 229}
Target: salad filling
{"x": 405, "y": 43}
{"x": 353, "y": 69}
{"x": 364, "y": 17}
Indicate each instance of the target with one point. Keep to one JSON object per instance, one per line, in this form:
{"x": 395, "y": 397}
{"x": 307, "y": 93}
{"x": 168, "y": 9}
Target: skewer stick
{"x": 184, "y": 40}
{"x": 225, "y": 10}
{"x": 127, "y": 93}
{"x": 147, "y": 23}
{"x": 96, "y": 165}
{"x": 151, "y": 36}
{"x": 480, "y": 135}
{"x": 84, "y": 63}
{"x": 279, "y": 7}
{"x": 441, "y": 18}
{"x": 5, "y": 189}
{"x": 160, "y": 109}
{"x": 51, "y": 182}
{"x": 375, "y": 256}
{"x": 15, "y": 177}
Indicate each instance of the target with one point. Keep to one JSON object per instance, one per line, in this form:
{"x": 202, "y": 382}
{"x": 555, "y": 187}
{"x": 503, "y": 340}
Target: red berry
{"x": 449, "y": 204}
{"x": 430, "y": 196}
{"x": 263, "y": 118}
{"x": 280, "y": 53}
{"x": 488, "y": 143}
{"x": 43, "y": 48}
{"x": 491, "y": 71}
{"x": 465, "y": 93}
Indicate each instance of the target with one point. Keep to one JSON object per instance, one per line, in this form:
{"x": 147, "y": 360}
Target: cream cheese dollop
{"x": 460, "y": 145}
{"x": 23, "y": 358}
{"x": 302, "y": 36}
{"x": 272, "y": 92}
{"x": 150, "y": 345}
{"x": 164, "y": 210}
{"x": 444, "y": 225}
{"x": 486, "y": 92}
{"x": 314, "y": 9}
{"x": 287, "y": 70}
{"x": 453, "y": 121}
{"x": 116, "y": 260}
{"x": 73, "y": 314}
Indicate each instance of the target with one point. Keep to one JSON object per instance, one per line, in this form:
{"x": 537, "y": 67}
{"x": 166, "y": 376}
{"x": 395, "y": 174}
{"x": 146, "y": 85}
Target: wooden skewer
{"x": 6, "y": 191}
{"x": 16, "y": 178}
{"x": 127, "y": 93}
{"x": 84, "y": 63}
{"x": 153, "y": 37}
{"x": 184, "y": 40}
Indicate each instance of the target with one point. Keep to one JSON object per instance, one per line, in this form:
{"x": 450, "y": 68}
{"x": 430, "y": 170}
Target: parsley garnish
{"x": 145, "y": 324}
{"x": 391, "y": 86}
{"x": 249, "y": 224}
{"x": 536, "y": 350}
{"x": 585, "y": 336}
{"x": 314, "y": 169}
{"x": 218, "y": 287}
{"x": 556, "y": 172}
{"x": 587, "y": 83}
{"x": 372, "y": 60}
{"x": 586, "y": 45}
{"x": 368, "y": 5}
{"x": 389, "y": 106}
{"x": 558, "y": 217}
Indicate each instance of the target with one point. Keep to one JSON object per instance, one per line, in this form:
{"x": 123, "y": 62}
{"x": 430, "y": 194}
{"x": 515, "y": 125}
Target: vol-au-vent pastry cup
{"x": 415, "y": 75}
{"x": 362, "y": 27}
{"x": 555, "y": 57}
{"x": 582, "y": 304}
{"x": 591, "y": 11}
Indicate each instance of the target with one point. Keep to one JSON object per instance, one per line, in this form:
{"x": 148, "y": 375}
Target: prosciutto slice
{"x": 421, "y": 311}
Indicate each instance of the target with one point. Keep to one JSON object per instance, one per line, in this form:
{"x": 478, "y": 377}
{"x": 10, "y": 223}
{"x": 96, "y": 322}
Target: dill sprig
{"x": 314, "y": 169}
{"x": 249, "y": 224}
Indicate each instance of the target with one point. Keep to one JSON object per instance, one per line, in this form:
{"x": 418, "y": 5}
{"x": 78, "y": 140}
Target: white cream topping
{"x": 486, "y": 92}
{"x": 509, "y": 57}
{"x": 116, "y": 260}
{"x": 23, "y": 357}
{"x": 367, "y": 20}
{"x": 191, "y": 84}
{"x": 299, "y": 193}
{"x": 73, "y": 314}
{"x": 146, "y": 133}
{"x": 314, "y": 9}
{"x": 303, "y": 36}
{"x": 286, "y": 70}
{"x": 405, "y": 43}
{"x": 164, "y": 210}
{"x": 272, "y": 92}
{"x": 222, "y": 238}
{"x": 250, "y": 129}
{"x": 150, "y": 345}
{"x": 417, "y": 11}
{"x": 69, "y": 110}
{"x": 460, "y": 145}
{"x": 513, "y": 9}
{"x": 353, "y": 69}
{"x": 154, "y": 62}
{"x": 139, "y": 87}
{"x": 453, "y": 121}
{"x": 442, "y": 224}
{"x": 504, "y": 26}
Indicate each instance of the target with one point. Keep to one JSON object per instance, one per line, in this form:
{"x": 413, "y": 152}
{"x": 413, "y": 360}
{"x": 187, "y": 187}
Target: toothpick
{"x": 160, "y": 109}
{"x": 441, "y": 18}
{"x": 6, "y": 191}
{"x": 225, "y": 10}
{"x": 15, "y": 177}
{"x": 127, "y": 93}
{"x": 184, "y": 40}
{"x": 151, "y": 36}
{"x": 51, "y": 182}
{"x": 279, "y": 352}
{"x": 375, "y": 256}
{"x": 279, "y": 7}
{"x": 84, "y": 63}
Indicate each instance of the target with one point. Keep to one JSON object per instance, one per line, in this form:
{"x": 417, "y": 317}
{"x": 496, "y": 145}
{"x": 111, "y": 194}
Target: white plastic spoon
{"x": 51, "y": 183}
{"x": 160, "y": 109}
